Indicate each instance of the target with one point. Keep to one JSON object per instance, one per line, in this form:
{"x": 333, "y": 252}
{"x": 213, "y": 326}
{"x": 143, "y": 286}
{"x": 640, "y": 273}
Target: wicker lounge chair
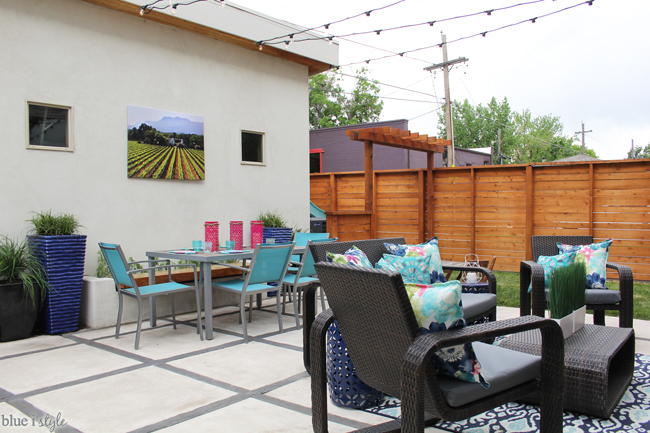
{"x": 475, "y": 305}
{"x": 375, "y": 316}
{"x": 598, "y": 300}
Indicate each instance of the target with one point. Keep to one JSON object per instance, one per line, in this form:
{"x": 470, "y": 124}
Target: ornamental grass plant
{"x": 272, "y": 219}
{"x": 567, "y": 290}
{"x": 18, "y": 264}
{"x": 49, "y": 224}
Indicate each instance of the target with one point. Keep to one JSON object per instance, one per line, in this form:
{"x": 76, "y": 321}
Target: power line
{"x": 389, "y": 85}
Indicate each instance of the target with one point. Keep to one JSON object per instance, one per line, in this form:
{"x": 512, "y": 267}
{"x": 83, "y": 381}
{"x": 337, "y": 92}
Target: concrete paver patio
{"x": 175, "y": 382}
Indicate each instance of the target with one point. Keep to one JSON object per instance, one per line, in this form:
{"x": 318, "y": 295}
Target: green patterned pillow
{"x": 413, "y": 269}
{"x": 437, "y": 308}
{"x": 354, "y": 256}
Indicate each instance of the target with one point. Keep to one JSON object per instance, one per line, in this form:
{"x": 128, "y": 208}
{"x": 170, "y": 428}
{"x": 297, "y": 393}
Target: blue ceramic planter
{"x": 63, "y": 258}
{"x": 346, "y": 388}
{"x": 280, "y": 234}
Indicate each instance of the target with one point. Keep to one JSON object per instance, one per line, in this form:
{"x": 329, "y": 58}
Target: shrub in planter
{"x": 22, "y": 288}
{"x": 62, "y": 252}
{"x": 274, "y": 227}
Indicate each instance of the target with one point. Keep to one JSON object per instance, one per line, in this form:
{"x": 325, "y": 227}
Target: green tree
{"x": 524, "y": 138}
{"x": 639, "y": 152}
{"x": 330, "y": 106}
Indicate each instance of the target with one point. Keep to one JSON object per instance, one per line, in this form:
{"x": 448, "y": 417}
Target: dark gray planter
{"x": 63, "y": 258}
{"x": 17, "y": 312}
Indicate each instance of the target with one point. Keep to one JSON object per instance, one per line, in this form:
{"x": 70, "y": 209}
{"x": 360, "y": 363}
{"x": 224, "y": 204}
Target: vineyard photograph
{"x": 165, "y": 145}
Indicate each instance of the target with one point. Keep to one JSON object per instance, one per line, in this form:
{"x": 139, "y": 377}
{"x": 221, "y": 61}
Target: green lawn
{"x": 508, "y": 294}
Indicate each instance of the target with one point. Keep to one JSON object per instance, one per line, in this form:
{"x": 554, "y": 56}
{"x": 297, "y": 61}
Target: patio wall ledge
{"x": 99, "y": 304}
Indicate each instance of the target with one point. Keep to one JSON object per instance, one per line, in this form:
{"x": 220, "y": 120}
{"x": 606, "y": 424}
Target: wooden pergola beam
{"x": 395, "y": 137}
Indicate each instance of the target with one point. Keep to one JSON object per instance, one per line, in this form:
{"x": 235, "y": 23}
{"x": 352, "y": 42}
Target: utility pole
{"x": 445, "y": 68}
{"x": 499, "y": 135}
{"x": 583, "y": 136}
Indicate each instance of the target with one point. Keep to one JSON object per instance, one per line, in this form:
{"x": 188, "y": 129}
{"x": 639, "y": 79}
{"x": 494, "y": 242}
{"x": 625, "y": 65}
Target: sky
{"x": 586, "y": 64}
{"x": 137, "y": 115}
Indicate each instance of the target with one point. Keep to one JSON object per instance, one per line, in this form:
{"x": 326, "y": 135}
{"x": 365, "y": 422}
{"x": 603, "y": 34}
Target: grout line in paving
{"x": 16, "y": 355}
{"x": 307, "y": 411}
{"x": 38, "y": 416}
{"x": 70, "y": 383}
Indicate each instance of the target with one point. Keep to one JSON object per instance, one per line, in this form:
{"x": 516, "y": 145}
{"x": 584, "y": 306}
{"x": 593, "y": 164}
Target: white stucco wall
{"x": 99, "y": 61}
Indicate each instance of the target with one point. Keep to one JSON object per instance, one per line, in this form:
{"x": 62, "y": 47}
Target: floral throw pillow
{"x": 595, "y": 257}
{"x": 413, "y": 269}
{"x": 551, "y": 263}
{"x": 437, "y": 308}
{"x": 429, "y": 248}
{"x": 354, "y": 256}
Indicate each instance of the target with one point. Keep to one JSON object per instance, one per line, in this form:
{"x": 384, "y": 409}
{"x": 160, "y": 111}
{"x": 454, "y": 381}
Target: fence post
{"x": 421, "y": 204}
{"x": 473, "y": 207}
{"x": 529, "y": 211}
{"x": 591, "y": 199}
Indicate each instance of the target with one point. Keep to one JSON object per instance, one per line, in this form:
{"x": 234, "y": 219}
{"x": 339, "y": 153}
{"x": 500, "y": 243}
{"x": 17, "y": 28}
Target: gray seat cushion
{"x": 600, "y": 296}
{"x": 502, "y": 369}
{"x": 477, "y": 303}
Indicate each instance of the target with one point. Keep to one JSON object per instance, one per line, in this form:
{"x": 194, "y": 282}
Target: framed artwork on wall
{"x": 164, "y": 144}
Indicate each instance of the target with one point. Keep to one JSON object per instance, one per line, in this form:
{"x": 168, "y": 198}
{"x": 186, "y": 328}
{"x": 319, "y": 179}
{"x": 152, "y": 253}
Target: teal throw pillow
{"x": 595, "y": 258}
{"x": 429, "y": 248}
{"x": 437, "y": 308}
{"x": 551, "y": 263}
{"x": 354, "y": 256}
{"x": 413, "y": 269}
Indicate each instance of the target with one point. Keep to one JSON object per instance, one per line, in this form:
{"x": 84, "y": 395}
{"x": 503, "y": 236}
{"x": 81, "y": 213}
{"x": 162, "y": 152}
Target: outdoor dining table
{"x": 205, "y": 259}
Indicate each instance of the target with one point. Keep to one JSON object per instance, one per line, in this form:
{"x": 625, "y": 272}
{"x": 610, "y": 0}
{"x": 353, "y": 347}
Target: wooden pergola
{"x": 394, "y": 137}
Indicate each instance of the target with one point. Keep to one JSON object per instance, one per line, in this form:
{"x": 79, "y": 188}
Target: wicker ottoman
{"x": 599, "y": 366}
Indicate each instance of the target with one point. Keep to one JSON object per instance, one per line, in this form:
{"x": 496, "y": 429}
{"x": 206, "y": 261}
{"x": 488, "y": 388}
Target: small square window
{"x": 49, "y": 127}
{"x": 252, "y": 147}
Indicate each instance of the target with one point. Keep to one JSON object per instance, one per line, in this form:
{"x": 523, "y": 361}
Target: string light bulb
{"x": 368, "y": 13}
{"x": 260, "y": 45}
{"x": 222, "y": 3}
{"x": 142, "y": 11}
{"x": 174, "y": 8}
{"x": 286, "y": 44}
{"x": 331, "y": 40}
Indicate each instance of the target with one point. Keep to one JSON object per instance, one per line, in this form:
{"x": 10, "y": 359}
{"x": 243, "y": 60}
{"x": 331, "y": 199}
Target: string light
{"x": 327, "y": 26}
{"x": 430, "y": 23}
{"x": 260, "y": 45}
{"x": 145, "y": 9}
{"x": 470, "y": 36}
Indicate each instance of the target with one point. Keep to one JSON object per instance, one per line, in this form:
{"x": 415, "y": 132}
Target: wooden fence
{"x": 494, "y": 210}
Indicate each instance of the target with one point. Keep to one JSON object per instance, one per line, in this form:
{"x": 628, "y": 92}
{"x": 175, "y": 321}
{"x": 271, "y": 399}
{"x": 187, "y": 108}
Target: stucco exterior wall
{"x": 99, "y": 61}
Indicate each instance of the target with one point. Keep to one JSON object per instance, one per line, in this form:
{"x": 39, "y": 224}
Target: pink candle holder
{"x": 237, "y": 233}
{"x": 257, "y": 233}
{"x": 212, "y": 234}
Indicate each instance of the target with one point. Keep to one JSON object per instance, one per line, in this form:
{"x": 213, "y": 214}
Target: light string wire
{"x": 147, "y": 8}
{"x": 326, "y": 26}
{"x": 426, "y": 23}
{"x": 533, "y": 20}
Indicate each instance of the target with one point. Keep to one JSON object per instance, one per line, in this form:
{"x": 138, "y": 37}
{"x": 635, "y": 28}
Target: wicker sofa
{"x": 475, "y": 305}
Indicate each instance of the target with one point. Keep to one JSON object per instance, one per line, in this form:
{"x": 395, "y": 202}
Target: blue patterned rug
{"x": 631, "y": 415}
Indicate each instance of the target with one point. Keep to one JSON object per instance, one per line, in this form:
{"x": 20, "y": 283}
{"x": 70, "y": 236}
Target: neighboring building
{"x": 333, "y": 151}
{"x": 83, "y": 62}
{"x": 579, "y": 157}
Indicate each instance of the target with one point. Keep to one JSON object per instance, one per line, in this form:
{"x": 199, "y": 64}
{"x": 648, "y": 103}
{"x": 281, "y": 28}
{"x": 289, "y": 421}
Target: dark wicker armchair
{"x": 475, "y": 305}
{"x": 375, "y": 316}
{"x": 531, "y": 271}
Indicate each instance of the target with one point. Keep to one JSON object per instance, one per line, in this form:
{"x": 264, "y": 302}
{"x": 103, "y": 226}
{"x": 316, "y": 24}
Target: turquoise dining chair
{"x": 304, "y": 276}
{"x": 268, "y": 265}
{"x": 301, "y": 240}
{"x": 125, "y": 285}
